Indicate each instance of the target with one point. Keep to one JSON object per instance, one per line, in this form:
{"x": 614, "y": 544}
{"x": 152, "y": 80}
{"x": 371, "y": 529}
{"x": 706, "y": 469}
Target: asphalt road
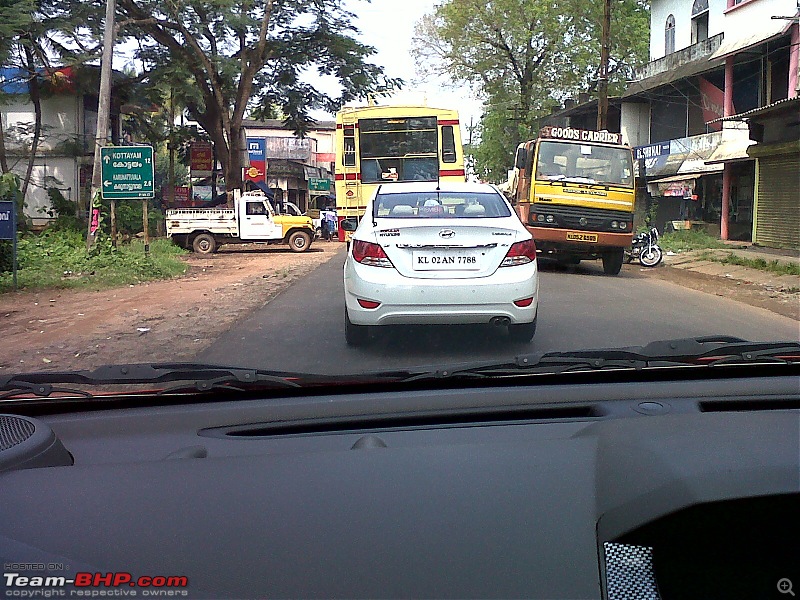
{"x": 302, "y": 329}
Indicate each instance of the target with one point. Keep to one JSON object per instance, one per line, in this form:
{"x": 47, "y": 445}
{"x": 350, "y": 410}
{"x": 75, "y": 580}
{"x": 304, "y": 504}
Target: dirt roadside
{"x": 158, "y": 321}
{"x": 775, "y": 300}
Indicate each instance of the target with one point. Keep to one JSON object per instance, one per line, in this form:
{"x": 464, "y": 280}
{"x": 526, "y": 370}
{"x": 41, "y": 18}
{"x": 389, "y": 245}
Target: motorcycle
{"x": 645, "y": 248}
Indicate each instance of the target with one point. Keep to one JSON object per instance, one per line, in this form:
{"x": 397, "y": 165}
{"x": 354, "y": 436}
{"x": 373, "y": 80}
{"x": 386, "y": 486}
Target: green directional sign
{"x": 127, "y": 172}
{"x": 316, "y": 184}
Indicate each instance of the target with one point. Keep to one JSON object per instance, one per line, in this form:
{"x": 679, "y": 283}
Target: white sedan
{"x": 440, "y": 254}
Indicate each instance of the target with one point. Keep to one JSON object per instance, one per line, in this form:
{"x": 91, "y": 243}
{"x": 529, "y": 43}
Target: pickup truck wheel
{"x": 299, "y": 241}
{"x": 204, "y": 244}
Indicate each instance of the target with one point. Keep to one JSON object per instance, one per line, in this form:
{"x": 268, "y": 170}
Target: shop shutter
{"x": 778, "y": 216}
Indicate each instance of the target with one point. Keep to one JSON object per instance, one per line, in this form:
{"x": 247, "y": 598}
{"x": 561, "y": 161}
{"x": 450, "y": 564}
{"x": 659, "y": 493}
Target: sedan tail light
{"x": 520, "y": 253}
{"x": 370, "y": 254}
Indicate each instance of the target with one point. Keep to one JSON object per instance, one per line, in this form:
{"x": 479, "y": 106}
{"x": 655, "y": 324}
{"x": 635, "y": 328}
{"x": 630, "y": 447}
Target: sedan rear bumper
{"x": 411, "y": 301}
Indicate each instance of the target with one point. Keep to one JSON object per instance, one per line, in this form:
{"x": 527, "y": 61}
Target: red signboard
{"x": 713, "y": 101}
{"x": 202, "y": 157}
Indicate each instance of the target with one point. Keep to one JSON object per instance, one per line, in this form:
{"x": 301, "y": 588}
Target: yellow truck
{"x": 252, "y": 219}
{"x": 574, "y": 191}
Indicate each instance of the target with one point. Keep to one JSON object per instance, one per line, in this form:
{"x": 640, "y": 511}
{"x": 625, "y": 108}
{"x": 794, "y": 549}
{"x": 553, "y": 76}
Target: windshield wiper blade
{"x": 709, "y": 351}
{"x": 184, "y": 376}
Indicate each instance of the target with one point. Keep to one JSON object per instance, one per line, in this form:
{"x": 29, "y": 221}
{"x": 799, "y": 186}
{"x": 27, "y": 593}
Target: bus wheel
{"x": 204, "y": 244}
{"x": 612, "y": 261}
{"x": 299, "y": 241}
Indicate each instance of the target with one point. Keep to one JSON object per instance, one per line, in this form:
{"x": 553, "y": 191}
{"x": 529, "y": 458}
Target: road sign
{"x": 7, "y": 228}
{"x": 127, "y": 172}
{"x": 317, "y": 184}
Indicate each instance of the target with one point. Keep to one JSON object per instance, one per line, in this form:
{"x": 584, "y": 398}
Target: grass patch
{"x": 58, "y": 259}
{"x": 687, "y": 239}
{"x": 773, "y": 266}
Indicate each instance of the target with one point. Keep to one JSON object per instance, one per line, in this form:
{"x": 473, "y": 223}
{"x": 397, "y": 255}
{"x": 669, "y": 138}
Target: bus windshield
{"x": 399, "y": 149}
{"x": 584, "y": 163}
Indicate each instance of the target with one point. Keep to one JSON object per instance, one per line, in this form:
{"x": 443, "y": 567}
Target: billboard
{"x": 256, "y": 150}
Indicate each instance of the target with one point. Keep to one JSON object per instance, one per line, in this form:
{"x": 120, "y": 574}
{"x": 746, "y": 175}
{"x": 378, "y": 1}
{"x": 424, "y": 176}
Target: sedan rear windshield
{"x": 448, "y": 205}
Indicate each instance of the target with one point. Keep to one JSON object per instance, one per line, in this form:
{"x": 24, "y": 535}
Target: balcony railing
{"x": 671, "y": 61}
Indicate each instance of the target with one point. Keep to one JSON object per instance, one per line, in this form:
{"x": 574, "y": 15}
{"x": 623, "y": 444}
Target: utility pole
{"x": 103, "y": 112}
{"x": 602, "y": 83}
{"x": 171, "y": 149}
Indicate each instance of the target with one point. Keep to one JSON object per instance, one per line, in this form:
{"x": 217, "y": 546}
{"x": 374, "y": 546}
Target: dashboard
{"x": 620, "y": 489}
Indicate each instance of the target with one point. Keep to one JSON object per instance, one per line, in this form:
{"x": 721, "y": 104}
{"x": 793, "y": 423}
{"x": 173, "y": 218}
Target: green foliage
{"x": 59, "y": 259}
{"x": 129, "y": 218}
{"x": 522, "y": 56}
{"x": 222, "y": 60}
{"x": 689, "y": 239}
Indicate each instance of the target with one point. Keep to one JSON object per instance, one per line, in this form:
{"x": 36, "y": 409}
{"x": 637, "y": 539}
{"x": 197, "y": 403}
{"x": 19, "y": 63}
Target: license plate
{"x": 446, "y": 260}
{"x": 574, "y": 236}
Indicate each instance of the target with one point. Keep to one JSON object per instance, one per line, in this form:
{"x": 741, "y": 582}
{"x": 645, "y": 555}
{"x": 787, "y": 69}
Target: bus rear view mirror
{"x": 519, "y": 163}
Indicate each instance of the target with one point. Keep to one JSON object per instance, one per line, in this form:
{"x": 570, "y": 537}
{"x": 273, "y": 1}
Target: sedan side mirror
{"x": 349, "y": 225}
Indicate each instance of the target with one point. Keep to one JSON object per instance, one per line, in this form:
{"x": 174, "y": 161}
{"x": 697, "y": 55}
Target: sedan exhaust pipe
{"x": 500, "y": 321}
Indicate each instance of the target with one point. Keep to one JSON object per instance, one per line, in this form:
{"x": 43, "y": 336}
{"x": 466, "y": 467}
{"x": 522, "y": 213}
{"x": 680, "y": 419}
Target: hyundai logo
{"x": 447, "y": 233}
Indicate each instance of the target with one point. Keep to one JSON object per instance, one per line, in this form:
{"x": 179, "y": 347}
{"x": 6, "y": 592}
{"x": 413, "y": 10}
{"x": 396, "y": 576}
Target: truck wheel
{"x": 204, "y": 244}
{"x": 299, "y": 241}
{"x": 612, "y": 261}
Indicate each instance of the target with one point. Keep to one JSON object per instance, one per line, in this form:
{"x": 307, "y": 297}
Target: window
{"x": 448, "y": 205}
{"x": 349, "y": 158}
{"x": 256, "y": 208}
{"x": 699, "y": 21}
{"x": 448, "y": 144}
{"x": 669, "y": 35}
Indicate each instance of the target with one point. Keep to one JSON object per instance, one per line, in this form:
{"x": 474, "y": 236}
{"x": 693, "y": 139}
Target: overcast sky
{"x": 388, "y": 25}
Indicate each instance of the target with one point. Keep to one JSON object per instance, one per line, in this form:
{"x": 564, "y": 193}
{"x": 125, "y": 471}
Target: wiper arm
{"x": 700, "y": 351}
{"x": 185, "y": 376}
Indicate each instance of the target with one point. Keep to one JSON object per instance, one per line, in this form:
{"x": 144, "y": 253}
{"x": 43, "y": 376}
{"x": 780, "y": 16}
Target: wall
{"x": 635, "y": 123}
{"x": 682, "y": 11}
{"x": 750, "y": 16}
{"x": 59, "y": 119}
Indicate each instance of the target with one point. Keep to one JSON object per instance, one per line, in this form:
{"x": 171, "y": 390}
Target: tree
{"x": 523, "y": 56}
{"x": 227, "y": 58}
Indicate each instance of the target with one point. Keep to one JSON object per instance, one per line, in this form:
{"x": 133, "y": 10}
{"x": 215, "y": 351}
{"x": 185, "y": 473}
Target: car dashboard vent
{"x": 629, "y": 572}
{"x": 750, "y": 405}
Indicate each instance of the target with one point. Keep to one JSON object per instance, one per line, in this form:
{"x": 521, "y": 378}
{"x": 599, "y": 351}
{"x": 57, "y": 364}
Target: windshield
{"x": 447, "y": 205}
{"x": 527, "y": 197}
{"x": 557, "y": 161}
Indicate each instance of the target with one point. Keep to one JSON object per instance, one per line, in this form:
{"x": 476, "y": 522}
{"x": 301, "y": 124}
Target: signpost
{"x": 128, "y": 173}
{"x": 8, "y": 231}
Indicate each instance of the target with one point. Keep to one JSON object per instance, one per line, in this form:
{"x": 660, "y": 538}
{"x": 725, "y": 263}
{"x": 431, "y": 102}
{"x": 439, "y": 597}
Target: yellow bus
{"x": 378, "y": 145}
{"x": 574, "y": 191}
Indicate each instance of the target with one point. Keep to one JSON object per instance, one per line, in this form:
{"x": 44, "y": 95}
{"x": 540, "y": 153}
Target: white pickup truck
{"x": 252, "y": 219}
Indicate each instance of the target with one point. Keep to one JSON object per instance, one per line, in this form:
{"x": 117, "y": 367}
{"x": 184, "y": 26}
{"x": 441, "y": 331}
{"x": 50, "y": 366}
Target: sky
{"x": 388, "y": 26}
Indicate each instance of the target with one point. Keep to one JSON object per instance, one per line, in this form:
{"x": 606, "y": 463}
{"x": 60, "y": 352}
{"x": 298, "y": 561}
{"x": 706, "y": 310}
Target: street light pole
{"x": 103, "y": 112}
{"x": 602, "y": 84}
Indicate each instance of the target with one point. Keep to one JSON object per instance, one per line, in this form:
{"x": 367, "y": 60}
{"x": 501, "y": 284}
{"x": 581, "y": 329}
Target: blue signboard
{"x": 7, "y": 221}
{"x": 651, "y": 151}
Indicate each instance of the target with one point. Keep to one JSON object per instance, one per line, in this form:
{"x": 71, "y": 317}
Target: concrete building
{"x": 65, "y": 151}
{"x": 295, "y": 169}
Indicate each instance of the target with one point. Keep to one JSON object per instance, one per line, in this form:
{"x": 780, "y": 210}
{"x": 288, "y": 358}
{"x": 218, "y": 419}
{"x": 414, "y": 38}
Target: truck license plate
{"x": 575, "y": 236}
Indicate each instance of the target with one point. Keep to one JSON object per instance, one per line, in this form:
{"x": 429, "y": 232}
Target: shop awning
{"x": 699, "y": 166}
{"x": 676, "y": 178}
{"x": 730, "y": 151}
{"x": 764, "y": 33}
